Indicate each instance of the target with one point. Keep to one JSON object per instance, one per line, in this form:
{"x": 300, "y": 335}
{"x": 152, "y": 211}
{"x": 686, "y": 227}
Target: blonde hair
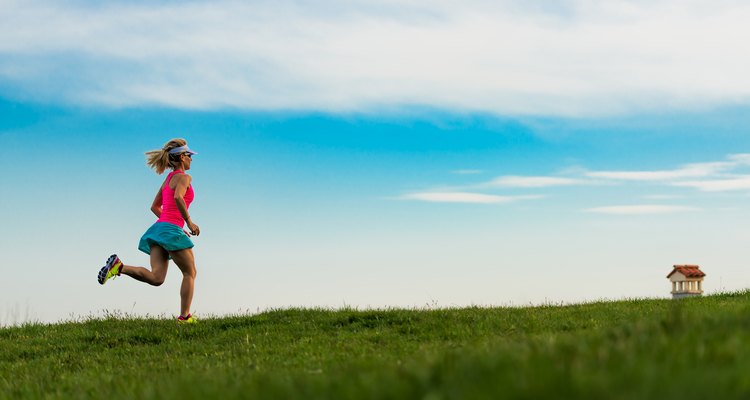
{"x": 160, "y": 160}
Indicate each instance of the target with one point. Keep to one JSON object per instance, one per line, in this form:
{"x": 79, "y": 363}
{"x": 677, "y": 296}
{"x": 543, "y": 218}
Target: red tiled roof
{"x": 690, "y": 271}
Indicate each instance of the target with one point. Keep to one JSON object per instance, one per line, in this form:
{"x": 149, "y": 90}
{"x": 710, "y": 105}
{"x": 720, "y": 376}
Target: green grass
{"x": 640, "y": 349}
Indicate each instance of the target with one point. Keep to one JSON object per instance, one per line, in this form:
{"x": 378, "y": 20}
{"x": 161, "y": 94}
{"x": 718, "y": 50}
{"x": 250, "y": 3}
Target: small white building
{"x": 687, "y": 281}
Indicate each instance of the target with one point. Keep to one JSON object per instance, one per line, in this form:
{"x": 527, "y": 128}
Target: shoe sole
{"x": 102, "y": 276}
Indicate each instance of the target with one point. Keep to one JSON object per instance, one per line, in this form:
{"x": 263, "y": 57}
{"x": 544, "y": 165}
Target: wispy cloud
{"x": 366, "y": 55}
{"x": 711, "y": 176}
{"x": 699, "y": 170}
{"x": 464, "y": 197}
{"x": 467, "y": 171}
{"x": 716, "y": 176}
{"x": 662, "y": 197}
{"x": 641, "y": 209}
{"x": 532, "y": 181}
{"x": 718, "y": 185}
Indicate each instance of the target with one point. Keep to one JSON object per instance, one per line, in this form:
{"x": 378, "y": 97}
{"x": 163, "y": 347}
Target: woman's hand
{"x": 194, "y": 229}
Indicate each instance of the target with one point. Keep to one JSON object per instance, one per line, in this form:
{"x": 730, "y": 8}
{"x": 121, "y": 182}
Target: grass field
{"x": 641, "y": 349}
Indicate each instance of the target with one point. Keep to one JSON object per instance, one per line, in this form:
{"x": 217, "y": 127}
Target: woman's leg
{"x": 159, "y": 264}
{"x": 186, "y": 262}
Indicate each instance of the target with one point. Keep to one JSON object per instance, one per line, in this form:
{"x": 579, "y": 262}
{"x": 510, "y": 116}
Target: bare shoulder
{"x": 179, "y": 179}
{"x": 182, "y": 178}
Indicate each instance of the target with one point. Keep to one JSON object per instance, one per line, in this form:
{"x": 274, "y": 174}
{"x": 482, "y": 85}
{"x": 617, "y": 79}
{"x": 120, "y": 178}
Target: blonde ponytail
{"x": 160, "y": 160}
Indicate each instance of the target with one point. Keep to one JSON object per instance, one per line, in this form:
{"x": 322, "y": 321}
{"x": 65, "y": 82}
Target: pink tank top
{"x": 169, "y": 211}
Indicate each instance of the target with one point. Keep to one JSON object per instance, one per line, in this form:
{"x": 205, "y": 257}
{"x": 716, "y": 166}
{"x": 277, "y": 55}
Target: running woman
{"x": 166, "y": 239}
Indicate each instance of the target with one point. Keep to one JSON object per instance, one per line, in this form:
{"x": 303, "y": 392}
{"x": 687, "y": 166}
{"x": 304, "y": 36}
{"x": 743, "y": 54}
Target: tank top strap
{"x": 173, "y": 173}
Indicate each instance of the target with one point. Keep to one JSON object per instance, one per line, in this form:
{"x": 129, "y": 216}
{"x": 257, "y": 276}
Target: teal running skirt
{"x": 169, "y": 236}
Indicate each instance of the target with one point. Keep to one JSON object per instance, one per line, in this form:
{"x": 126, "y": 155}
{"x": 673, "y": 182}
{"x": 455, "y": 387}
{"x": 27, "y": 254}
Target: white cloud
{"x": 718, "y": 185}
{"x": 641, "y": 209}
{"x": 662, "y": 197}
{"x": 578, "y": 57}
{"x": 688, "y": 171}
{"x": 467, "y": 171}
{"x": 717, "y": 176}
{"x": 463, "y": 197}
{"x": 695, "y": 170}
{"x": 740, "y": 159}
{"x": 532, "y": 181}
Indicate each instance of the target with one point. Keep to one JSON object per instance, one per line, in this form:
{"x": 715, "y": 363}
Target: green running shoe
{"x": 111, "y": 269}
{"x": 186, "y": 320}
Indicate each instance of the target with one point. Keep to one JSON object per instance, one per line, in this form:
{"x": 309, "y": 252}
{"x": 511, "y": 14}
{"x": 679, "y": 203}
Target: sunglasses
{"x": 190, "y": 156}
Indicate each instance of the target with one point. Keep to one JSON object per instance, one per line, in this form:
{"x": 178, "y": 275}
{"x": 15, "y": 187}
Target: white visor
{"x": 182, "y": 149}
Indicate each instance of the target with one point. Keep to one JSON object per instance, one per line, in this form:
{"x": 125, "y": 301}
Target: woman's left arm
{"x": 179, "y": 198}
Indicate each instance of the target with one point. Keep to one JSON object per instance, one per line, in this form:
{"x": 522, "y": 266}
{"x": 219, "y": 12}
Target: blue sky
{"x": 374, "y": 154}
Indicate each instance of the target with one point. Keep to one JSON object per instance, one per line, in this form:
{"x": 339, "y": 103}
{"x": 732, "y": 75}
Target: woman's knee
{"x": 158, "y": 280}
{"x": 185, "y": 262}
{"x": 189, "y": 272}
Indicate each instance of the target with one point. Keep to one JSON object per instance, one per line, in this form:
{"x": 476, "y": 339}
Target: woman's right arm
{"x": 156, "y": 205}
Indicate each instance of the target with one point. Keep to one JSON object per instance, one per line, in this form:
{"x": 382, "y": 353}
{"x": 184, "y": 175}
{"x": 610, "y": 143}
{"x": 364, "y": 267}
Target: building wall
{"x": 683, "y": 295}
{"x": 677, "y": 277}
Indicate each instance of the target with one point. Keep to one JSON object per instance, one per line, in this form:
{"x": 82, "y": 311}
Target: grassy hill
{"x": 640, "y": 349}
